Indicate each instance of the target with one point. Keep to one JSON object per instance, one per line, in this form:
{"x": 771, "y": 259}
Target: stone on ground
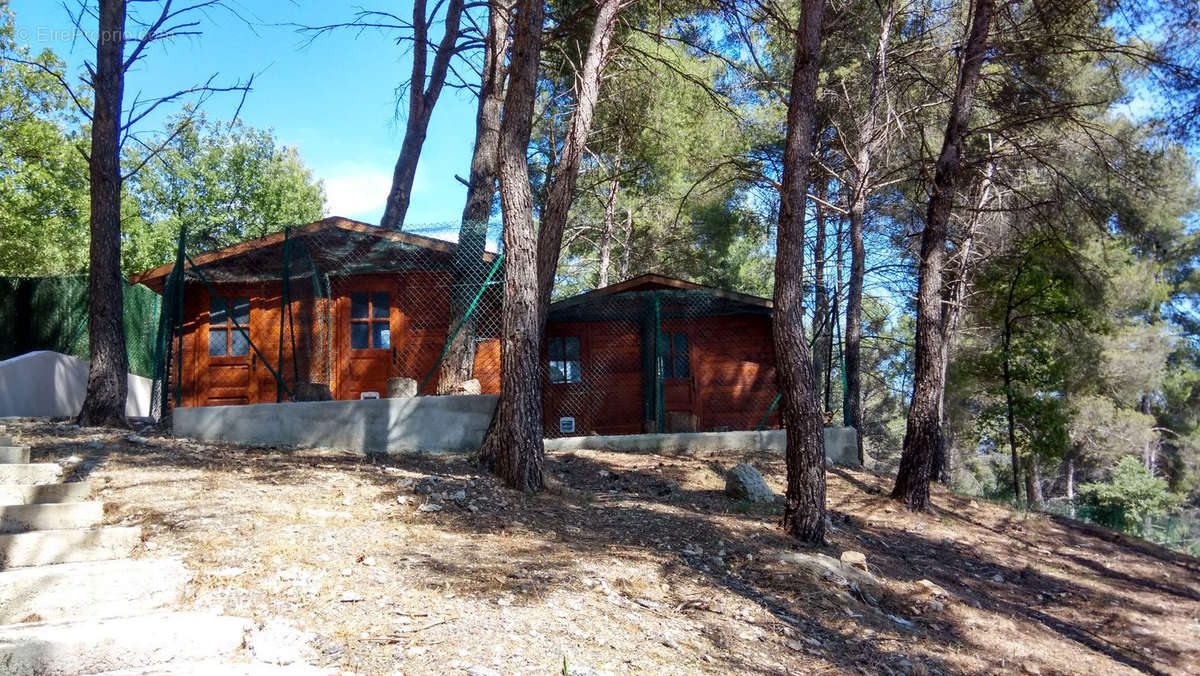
{"x": 29, "y": 494}
{"x": 41, "y": 548}
{"x": 743, "y": 482}
{"x": 278, "y": 642}
{"x": 13, "y": 455}
{"x": 30, "y": 473}
{"x": 89, "y": 589}
{"x": 226, "y": 669}
{"x": 829, "y": 568}
{"x": 50, "y": 516}
{"x": 854, "y": 559}
{"x": 96, "y": 646}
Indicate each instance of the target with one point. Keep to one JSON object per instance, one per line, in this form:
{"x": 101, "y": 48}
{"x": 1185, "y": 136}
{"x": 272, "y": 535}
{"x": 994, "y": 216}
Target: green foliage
{"x": 1131, "y": 494}
{"x": 43, "y": 176}
{"x": 226, "y": 181}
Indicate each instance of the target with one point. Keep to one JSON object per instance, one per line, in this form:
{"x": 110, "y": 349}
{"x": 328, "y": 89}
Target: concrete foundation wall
{"x": 51, "y": 384}
{"x": 841, "y": 445}
{"x": 449, "y": 424}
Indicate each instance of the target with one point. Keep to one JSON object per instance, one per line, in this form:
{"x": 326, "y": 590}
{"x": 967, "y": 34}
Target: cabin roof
{"x": 334, "y": 245}
{"x": 678, "y": 298}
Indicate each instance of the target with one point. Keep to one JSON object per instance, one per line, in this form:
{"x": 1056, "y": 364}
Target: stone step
{"x": 226, "y": 669}
{"x": 50, "y": 516}
{"x": 6, "y": 440}
{"x": 97, "y": 646}
{"x": 29, "y": 494}
{"x": 89, "y": 589}
{"x": 30, "y": 473}
{"x": 13, "y": 455}
{"x": 45, "y": 547}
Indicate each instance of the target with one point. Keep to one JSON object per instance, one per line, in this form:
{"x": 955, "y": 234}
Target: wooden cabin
{"x": 656, "y": 354}
{"x": 339, "y": 307}
{"x": 362, "y": 305}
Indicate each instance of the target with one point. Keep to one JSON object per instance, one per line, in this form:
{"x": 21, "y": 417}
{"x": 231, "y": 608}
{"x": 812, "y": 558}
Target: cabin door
{"x": 367, "y": 322}
{"x": 681, "y": 405}
{"x": 230, "y": 371}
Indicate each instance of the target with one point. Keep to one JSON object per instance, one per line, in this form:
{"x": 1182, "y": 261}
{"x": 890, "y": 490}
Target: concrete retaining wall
{"x": 840, "y": 443}
{"x": 51, "y": 384}
{"x": 449, "y": 424}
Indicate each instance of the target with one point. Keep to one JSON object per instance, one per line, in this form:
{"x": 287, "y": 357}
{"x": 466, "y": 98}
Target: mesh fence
{"x": 344, "y": 310}
{"x": 51, "y": 313}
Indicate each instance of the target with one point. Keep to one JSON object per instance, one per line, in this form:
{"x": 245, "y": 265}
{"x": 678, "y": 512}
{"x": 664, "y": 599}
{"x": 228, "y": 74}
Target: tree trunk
{"x": 871, "y": 138}
{"x": 628, "y": 245}
{"x": 458, "y": 364}
{"x": 606, "y": 237}
{"x": 1033, "y": 483}
{"x": 513, "y": 445}
{"x": 107, "y": 385}
{"x": 421, "y": 100}
{"x": 921, "y": 437}
{"x": 823, "y": 335}
{"x": 566, "y": 168}
{"x": 804, "y": 509}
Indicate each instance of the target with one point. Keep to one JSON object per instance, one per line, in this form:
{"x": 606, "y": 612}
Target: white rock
{"x": 278, "y": 642}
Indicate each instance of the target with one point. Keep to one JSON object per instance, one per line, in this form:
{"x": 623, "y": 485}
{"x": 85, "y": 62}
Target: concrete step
{"x": 97, "y": 646}
{"x": 89, "y": 589}
{"x": 6, "y": 440}
{"x": 46, "y": 547}
{"x": 30, "y": 473}
{"x": 50, "y": 516}
{"x": 13, "y": 455}
{"x": 226, "y": 669}
{"x": 29, "y": 494}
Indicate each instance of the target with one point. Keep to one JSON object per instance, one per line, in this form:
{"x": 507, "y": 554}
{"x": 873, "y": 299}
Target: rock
{"x": 471, "y": 386}
{"x": 430, "y": 507}
{"x": 900, "y": 621}
{"x": 401, "y": 387}
{"x": 482, "y": 671}
{"x": 350, "y": 597}
{"x": 458, "y": 496}
{"x": 278, "y": 642}
{"x": 855, "y": 559}
{"x": 829, "y": 568}
{"x": 927, "y": 587}
{"x": 743, "y": 482}
{"x": 402, "y": 499}
{"x": 427, "y": 485}
{"x": 997, "y": 578}
{"x": 1031, "y": 669}
{"x": 936, "y": 606}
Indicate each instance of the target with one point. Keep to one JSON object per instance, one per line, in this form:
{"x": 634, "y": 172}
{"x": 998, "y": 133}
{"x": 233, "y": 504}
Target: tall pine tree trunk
{"x": 107, "y": 385}
{"x": 870, "y": 142}
{"x": 610, "y": 224}
{"x": 823, "y": 338}
{"x": 513, "y": 446}
{"x": 422, "y": 97}
{"x": 922, "y": 437}
{"x": 804, "y": 509}
{"x": 458, "y": 363}
{"x": 566, "y": 167}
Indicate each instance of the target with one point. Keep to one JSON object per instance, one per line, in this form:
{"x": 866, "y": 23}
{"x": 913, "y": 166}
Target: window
{"x": 565, "y": 366}
{"x": 673, "y": 355}
{"x": 228, "y": 326}
{"x": 370, "y": 323}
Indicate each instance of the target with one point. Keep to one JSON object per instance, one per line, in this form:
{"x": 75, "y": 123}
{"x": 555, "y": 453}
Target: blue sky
{"x": 334, "y": 99}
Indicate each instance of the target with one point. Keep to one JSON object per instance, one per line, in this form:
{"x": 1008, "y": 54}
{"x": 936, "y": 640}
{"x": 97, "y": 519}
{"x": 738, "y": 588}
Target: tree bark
{"x": 107, "y": 385}
{"x": 513, "y": 445}
{"x": 458, "y": 364}
{"x": 804, "y": 509}
{"x": 823, "y": 338}
{"x": 921, "y": 437}
{"x": 610, "y": 217}
{"x": 422, "y": 98}
{"x": 1033, "y": 483}
{"x": 566, "y": 167}
{"x": 871, "y": 138}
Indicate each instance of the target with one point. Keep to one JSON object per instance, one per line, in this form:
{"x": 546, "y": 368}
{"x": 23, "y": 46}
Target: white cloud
{"x": 357, "y": 190}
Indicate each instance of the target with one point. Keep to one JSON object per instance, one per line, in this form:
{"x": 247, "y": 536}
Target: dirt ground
{"x": 640, "y": 564}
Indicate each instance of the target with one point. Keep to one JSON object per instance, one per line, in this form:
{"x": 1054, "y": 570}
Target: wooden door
{"x": 229, "y": 370}
{"x": 368, "y": 320}
{"x": 681, "y": 405}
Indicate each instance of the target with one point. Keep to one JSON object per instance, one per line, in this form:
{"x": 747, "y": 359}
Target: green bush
{"x": 1131, "y": 495}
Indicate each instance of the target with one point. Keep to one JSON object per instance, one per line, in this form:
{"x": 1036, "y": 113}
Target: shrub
{"x": 1132, "y": 494}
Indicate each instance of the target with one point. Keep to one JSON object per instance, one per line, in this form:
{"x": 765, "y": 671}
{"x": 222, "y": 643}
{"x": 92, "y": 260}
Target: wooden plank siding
{"x": 418, "y": 323}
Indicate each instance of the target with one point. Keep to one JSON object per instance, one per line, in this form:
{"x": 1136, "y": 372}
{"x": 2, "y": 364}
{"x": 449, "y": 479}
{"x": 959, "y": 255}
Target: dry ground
{"x": 641, "y": 565}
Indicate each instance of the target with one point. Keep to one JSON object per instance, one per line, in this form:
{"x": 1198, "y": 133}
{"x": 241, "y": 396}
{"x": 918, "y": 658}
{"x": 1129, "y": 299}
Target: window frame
{"x": 370, "y": 320}
{"x": 229, "y": 326}
{"x": 564, "y": 360}
{"x": 671, "y": 355}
